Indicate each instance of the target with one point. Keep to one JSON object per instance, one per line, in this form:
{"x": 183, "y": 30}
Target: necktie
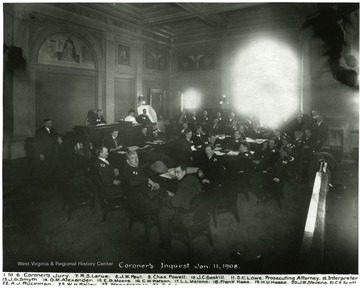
{"x": 116, "y": 145}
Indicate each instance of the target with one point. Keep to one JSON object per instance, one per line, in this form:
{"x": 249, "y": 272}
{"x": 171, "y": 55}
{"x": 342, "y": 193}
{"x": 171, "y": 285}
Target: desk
{"x": 127, "y": 132}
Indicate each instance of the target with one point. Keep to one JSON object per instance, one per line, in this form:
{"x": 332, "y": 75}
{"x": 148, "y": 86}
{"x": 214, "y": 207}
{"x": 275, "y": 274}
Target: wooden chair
{"x": 194, "y": 225}
{"x": 108, "y": 202}
{"x": 225, "y": 201}
{"x": 78, "y": 192}
{"x": 141, "y": 209}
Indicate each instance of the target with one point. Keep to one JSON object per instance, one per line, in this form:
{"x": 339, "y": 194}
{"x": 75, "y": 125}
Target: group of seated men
{"x": 273, "y": 159}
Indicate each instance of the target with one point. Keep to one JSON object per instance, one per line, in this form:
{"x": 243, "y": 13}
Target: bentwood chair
{"x": 194, "y": 225}
{"x": 141, "y": 210}
{"x": 225, "y": 201}
{"x": 114, "y": 200}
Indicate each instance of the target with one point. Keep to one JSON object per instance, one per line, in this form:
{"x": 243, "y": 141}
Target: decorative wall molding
{"x": 156, "y": 59}
{"x": 196, "y": 62}
{"x": 66, "y": 49}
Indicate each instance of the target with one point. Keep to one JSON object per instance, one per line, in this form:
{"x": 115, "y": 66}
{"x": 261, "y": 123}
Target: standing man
{"x": 47, "y": 144}
{"x": 320, "y": 132}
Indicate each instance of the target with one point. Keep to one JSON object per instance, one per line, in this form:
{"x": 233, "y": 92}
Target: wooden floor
{"x": 36, "y": 230}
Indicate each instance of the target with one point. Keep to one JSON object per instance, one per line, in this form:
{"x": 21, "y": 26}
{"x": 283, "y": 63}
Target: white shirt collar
{"x": 104, "y": 160}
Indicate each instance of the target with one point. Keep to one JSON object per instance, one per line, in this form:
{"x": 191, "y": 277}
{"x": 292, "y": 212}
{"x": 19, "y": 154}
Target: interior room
{"x": 153, "y": 78}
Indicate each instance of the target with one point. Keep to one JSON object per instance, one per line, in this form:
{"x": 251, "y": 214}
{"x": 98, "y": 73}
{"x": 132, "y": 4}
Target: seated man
{"x": 135, "y": 177}
{"x": 277, "y": 138}
{"x": 213, "y": 140}
{"x": 276, "y": 176}
{"x": 255, "y": 132}
{"x": 212, "y": 171}
{"x": 144, "y": 137}
{"x": 110, "y": 177}
{"x": 234, "y": 143}
{"x": 112, "y": 143}
{"x": 184, "y": 151}
{"x": 143, "y": 118}
{"x": 242, "y": 162}
{"x": 131, "y": 117}
{"x": 178, "y": 203}
{"x": 270, "y": 155}
{"x": 98, "y": 118}
{"x": 216, "y": 128}
{"x": 199, "y": 136}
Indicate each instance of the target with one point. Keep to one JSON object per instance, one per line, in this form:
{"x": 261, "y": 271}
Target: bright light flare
{"x": 191, "y": 99}
{"x": 266, "y": 81}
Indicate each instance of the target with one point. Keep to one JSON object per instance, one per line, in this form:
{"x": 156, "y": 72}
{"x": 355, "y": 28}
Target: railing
{"x": 312, "y": 250}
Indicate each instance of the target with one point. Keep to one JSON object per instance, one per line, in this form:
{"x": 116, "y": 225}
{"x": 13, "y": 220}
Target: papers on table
{"x": 222, "y": 136}
{"x": 257, "y": 141}
{"x": 121, "y": 152}
{"x": 217, "y": 148}
{"x": 250, "y": 140}
{"x": 219, "y": 153}
{"x": 233, "y": 153}
{"x": 133, "y": 148}
{"x": 156, "y": 142}
{"x": 260, "y": 141}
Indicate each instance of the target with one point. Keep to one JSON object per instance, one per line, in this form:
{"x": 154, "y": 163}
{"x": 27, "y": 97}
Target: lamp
{"x": 141, "y": 100}
{"x": 223, "y": 100}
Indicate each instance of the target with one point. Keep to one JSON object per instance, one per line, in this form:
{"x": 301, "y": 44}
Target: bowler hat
{"x": 159, "y": 167}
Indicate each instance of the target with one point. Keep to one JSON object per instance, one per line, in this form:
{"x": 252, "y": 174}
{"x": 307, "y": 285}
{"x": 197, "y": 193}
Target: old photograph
{"x": 180, "y": 138}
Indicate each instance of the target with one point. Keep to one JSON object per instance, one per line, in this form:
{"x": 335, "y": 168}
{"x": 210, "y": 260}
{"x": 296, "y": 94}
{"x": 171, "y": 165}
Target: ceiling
{"x": 170, "y": 15}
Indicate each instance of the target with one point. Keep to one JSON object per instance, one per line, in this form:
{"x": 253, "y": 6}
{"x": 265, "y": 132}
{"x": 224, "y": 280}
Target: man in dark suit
{"x": 144, "y": 136}
{"x": 275, "y": 177}
{"x": 98, "y": 118}
{"x": 271, "y": 155}
{"x": 216, "y": 128}
{"x": 184, "y": 150}
{"x": 199, "y": 136}
{"x": 212, "y": 171}
{"x": 204, "y": 120}
{"x": 113, "y": 144}
{"x": 47, "y": 145}
{"x": 134, "y": 177}
{"x": 110, "y": 177}
{"x": 143, "y": 118}
{"x": 178, "y": 203}
{"x": 320, "y": 132}
{"x": 255, "y": 132}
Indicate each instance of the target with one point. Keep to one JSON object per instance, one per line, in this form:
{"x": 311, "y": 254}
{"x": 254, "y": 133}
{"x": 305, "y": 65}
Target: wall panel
{"x": 64, "y": 98}
{"x": 124, "y": 98}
